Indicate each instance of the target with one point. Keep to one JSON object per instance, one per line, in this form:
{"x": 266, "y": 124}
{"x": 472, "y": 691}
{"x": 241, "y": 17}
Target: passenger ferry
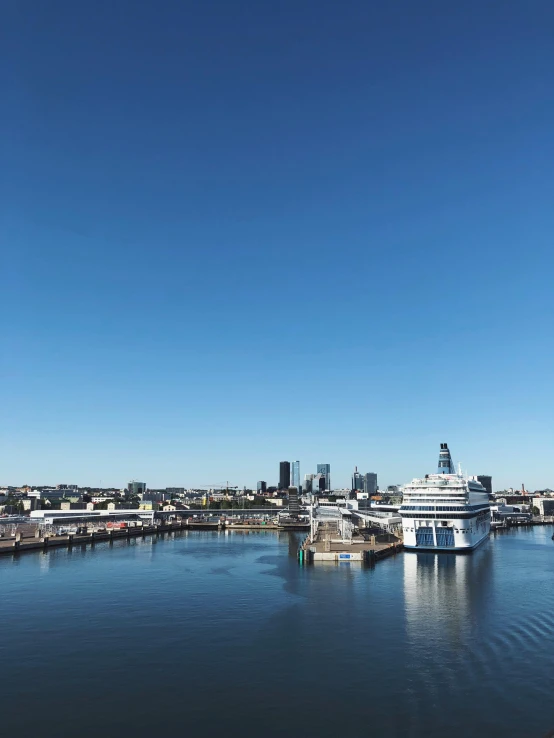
{"x": 445, "y": 511}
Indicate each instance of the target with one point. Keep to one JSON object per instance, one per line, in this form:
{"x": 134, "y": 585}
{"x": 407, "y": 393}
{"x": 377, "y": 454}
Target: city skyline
{"x": 325, "y": 185}
{"x": 368, "y": 479}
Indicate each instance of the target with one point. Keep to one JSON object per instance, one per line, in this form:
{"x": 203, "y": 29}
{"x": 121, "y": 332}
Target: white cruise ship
{"x": 445, "y": 511}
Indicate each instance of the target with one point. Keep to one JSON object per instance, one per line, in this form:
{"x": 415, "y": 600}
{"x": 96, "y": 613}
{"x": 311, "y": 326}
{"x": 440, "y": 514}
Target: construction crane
{"x": 226, "y": 486}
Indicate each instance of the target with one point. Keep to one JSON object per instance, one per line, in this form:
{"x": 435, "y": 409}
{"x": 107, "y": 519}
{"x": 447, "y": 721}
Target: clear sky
{"x": 240, "y": 232}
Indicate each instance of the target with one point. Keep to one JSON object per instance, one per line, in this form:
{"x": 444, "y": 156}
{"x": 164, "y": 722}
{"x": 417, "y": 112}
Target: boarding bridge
{"x": 331, "y": 523}
{"x": 387, "y": 521}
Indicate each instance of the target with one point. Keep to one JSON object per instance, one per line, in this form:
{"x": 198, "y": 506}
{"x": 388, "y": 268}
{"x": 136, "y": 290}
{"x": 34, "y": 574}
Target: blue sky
{"x": 236, "y": 233}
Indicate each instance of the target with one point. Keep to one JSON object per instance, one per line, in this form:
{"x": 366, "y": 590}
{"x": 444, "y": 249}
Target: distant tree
{"x": 13, "y": 506}
{"x": 536, "y": 511}
{"x": 103, "y": 505}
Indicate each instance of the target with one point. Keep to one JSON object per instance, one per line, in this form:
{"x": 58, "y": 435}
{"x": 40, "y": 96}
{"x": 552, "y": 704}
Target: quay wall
{"x": 21, "y": 545}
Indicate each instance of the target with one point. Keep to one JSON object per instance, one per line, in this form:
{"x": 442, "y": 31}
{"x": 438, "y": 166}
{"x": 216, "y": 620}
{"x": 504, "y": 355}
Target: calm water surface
{"x": 209, "y": 633}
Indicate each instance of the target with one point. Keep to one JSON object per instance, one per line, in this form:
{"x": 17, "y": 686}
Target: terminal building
{"x": 78, "y": 517}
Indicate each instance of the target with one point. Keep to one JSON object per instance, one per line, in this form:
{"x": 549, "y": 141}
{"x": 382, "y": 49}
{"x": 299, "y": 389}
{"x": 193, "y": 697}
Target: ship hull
{"x": 448, "y": 549}
{"x": 445, "y": 535}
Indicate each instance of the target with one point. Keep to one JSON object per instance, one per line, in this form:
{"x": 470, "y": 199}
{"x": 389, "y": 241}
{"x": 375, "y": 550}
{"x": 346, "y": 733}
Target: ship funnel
{"x": 446, "y": 466}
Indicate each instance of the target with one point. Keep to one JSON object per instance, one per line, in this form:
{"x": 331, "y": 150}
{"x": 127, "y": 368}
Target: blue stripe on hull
{"x": 451, "y": 549}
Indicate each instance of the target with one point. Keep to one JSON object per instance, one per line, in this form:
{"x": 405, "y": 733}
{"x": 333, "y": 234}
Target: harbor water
{"x": 206, "y": 633}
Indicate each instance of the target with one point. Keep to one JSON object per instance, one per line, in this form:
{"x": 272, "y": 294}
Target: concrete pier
{"x": 333, "y": 537}
{"x": 368, "y": 551}
{"x": 37, "y": 543}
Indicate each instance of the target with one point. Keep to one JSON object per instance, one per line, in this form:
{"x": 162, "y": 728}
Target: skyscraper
{"x": 295, "y": 474}
{"x": 486, "y": 481}
{"x": 319, "y": 484}
{"x": 308, "y": 479}
{"x": 284, "y": 475}
{"x": 261, "y": 487}
{"x": 326, "y": 470}
{"x": 357, "y": 481}
{"x": 370, "y": 483}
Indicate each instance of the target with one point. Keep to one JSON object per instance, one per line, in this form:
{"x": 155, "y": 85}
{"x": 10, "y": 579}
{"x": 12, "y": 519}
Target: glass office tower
{"x": 295, "y": 474}
{"x": 370, "y": 483}
{"x": 284, "y": 475}
{"x": 325, "y": 469}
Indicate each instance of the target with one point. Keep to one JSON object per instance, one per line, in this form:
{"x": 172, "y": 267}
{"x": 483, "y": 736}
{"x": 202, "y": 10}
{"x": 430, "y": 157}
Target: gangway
{"x": 385, "y": 520}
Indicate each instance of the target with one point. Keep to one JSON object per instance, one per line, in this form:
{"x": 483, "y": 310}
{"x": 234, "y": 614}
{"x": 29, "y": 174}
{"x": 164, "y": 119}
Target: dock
{"x": 20, "y": 544}
{"x": 32, "y": 538}
{"x": 333, "y": 538}
{"x": 262, "y": 525}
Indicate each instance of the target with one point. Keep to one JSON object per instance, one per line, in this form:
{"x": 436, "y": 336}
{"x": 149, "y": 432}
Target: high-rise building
{"x": 261, "y": 487}
{"x": 326, "y": 470}
{"x": 294, "y": 504}
{"x": 308, "y": 479}
{"x": 295, "y": 474}
{"x": 136, "y": 488}
{"x": 284, "y": 475}
{"x": 486, "y": 481}
{"x": 357, "y": 481}
{"x": 319, "y": 484}
{"x": 370, "y": 483}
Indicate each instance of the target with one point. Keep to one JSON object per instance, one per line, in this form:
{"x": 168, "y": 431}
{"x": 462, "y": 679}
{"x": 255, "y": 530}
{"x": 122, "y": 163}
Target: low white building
{"x": 545, "y": 505}
{"x": 59, "y": 516}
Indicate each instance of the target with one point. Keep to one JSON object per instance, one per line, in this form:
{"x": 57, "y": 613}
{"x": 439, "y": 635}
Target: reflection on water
{"x": 224, "y": 632}
{"x": 472, "y": 636}
{"x": 444, "y": 596}
{"x": 444, "y": 593}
